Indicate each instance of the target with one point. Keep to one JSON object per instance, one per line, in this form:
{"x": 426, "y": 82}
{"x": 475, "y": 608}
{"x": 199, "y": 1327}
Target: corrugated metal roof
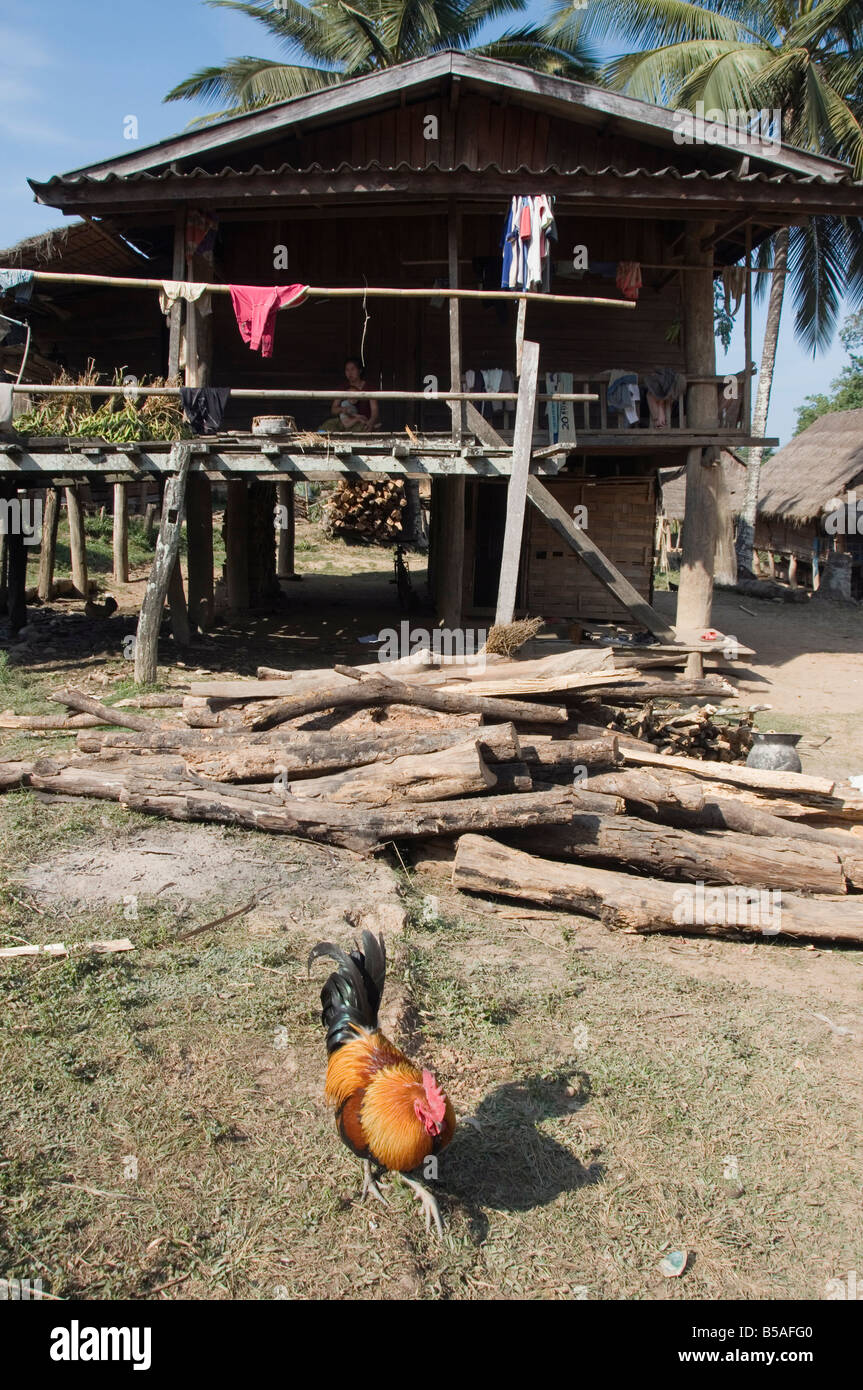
{"x": 575, "y": 100}
{"x": 669, "y": 171}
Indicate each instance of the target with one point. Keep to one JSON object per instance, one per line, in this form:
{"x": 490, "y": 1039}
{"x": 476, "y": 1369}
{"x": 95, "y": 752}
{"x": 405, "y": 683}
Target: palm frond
{"x": 247, "y": 83}
{"x": 816, "y": 267}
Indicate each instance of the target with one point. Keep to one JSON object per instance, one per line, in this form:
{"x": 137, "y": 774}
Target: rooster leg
{"x": 370, "y": 1187}
{"x": 427, "y": 1202}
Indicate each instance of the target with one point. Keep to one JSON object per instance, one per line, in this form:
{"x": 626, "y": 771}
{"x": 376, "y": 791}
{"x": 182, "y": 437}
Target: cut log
{"x": 709, "y": 856}
{"x": 628, "y": 903}
{"x": 796, "y": 783}
{"x": 456, "y": 771}
{"x": 565, "y": 752}
{"x": 375, "y": 691}
{"x": 8, "y": 720}
{"x": 225, "y": 755}
{"x": 76, "y": 699}
{"x": 366, "y": 828}
{"x": 648, "y": 787}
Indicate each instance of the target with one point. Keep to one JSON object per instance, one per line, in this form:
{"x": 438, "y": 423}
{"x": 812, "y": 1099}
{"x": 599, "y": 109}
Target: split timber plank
{"x": 516, "y": 492}
{"x": 598, "y": 564}
{"x": 757, "y": 778}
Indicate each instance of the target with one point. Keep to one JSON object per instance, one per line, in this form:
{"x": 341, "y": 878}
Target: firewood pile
{"x": 698, "y": 733}
{"x": 504, "y": 774}
{"x": 365, "y": 510}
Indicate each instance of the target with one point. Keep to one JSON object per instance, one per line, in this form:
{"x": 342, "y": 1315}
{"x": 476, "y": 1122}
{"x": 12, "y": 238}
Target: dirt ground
{"x": 163, "y": 1132}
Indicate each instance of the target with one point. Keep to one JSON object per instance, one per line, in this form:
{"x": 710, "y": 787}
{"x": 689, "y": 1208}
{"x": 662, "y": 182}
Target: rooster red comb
{"x": 435, "y": 1097}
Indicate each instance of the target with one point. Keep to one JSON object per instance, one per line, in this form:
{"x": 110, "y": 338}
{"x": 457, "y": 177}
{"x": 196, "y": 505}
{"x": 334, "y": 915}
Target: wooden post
{"x": 17, "y": 593}
{"x": 456, "y": 407}
{"x": 77, "y": 542}
{"x": 237, "y": 545}
{"x": 121, "y": 535}
{"x": 47, "y": 555}
{"x": 701, "y": 519}
{"x": 199, "y": 536}
{"x": 516, "y": 494}
{"x": 521, "y": 322}
{"x": 746, "y": 420}
{"x": 178, "y": 273}
{"x": 449, "y": 566}
{"x": 167, "y": 552}
{"x": 180, "y": 626}
{"x": 287, "y": 532}
{"x": 792, "y": 570}
{"x": 4, "y": 568}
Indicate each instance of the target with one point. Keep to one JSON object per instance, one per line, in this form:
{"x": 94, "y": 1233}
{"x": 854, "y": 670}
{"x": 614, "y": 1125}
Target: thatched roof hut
{"x": 821, "y": 463}
{"x": 673, "y": 484}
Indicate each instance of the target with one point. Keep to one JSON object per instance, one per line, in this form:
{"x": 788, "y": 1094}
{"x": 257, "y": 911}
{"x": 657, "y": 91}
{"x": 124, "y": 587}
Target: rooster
{"x": 388, "y": 1112}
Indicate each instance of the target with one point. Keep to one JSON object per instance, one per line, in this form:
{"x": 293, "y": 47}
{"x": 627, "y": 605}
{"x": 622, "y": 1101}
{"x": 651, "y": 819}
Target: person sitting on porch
{"x": 352, "y": 414}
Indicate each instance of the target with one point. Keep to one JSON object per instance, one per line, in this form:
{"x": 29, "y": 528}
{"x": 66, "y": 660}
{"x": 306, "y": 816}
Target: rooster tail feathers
{"x": 351, "y": 996}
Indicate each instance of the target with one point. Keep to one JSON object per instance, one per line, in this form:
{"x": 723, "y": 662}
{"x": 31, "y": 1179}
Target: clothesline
{"x": 339, "y": 291}
{"x": 271, "y": 393}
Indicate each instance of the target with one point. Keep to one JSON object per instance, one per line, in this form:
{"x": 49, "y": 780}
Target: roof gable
{"x": 236, "y": 138}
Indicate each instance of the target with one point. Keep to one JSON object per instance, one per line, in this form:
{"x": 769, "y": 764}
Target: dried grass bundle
{"x": 507, "y": 638}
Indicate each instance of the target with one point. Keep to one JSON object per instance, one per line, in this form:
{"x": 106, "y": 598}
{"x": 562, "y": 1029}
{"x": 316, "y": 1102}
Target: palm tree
{"x": 800, "y": 58}
{"x": 332, "y": 40}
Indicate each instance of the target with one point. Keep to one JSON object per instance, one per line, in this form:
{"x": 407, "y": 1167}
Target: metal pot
{"x": 774, "y": 752}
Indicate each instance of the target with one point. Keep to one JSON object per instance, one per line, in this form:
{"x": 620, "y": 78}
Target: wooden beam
{"x": 121, "y": 535}
{"x": 516, "y": 492}
{"x": 449, "y": 560}
{"x": 746, "y": 420}
{"x": 175, "y": 321}
{"x": 237, "y": 545}
{"x": 77, "y": 542}
{"x": 48, "y": 553}
{"x": 287, "y": 532}
{"x": 456, "y": 407}
{"x": 167, "y": 552}
{"x": 598, "y": 563}
{"x": 199, "y": 536}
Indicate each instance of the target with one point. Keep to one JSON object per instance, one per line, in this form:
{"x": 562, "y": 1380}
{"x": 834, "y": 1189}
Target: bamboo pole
{"x": 129, "y": 282}
{"x": 243, "y": 393}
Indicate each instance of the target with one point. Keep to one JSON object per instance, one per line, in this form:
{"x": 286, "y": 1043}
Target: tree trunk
{"x": 749, "y": 511}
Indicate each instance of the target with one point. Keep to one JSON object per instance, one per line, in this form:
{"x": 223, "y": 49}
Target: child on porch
{"x": 352, "y": 414}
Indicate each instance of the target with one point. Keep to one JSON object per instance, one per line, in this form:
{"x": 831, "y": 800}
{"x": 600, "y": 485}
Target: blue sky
{"x": 70, "y": 75}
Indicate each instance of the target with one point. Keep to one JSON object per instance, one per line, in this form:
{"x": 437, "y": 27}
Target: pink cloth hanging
{"x": 256, "y": 307}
